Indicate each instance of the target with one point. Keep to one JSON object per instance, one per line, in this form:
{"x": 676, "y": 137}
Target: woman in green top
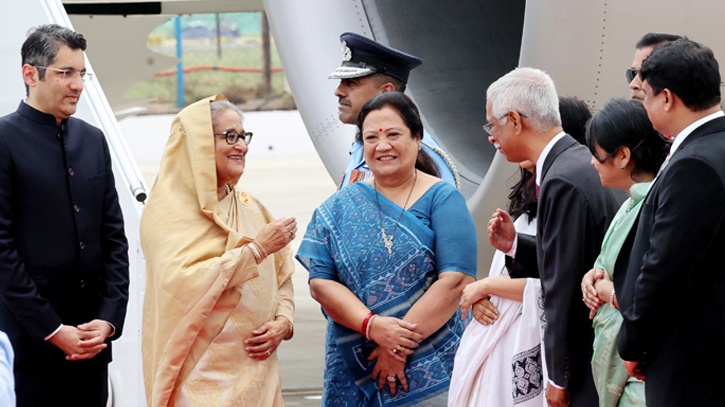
{"x": 627, "y": 151}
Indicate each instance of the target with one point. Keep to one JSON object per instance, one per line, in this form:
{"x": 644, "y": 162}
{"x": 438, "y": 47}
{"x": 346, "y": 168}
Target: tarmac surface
{"x": 288, "y": 185}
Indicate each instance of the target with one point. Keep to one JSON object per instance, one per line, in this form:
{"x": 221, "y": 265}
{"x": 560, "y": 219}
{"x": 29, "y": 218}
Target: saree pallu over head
{"x": 195, "y": 261}
{"x": 344, "y": 233}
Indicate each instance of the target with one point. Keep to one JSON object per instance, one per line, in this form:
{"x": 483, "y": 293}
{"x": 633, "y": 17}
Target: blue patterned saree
{"x": 343, "y": 243}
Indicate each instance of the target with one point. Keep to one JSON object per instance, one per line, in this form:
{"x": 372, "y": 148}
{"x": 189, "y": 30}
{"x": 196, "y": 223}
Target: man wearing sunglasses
{"x": 643, "y": 48}
{"x": 672, "y": 298}
{"x": 63, "y": 252}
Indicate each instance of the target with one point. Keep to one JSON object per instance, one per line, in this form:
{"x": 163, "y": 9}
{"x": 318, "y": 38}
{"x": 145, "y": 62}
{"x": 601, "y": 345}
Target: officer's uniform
{"x": 362, "y": 57}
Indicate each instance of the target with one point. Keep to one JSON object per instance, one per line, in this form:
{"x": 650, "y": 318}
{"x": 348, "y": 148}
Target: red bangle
{"x": 365, "y": 324}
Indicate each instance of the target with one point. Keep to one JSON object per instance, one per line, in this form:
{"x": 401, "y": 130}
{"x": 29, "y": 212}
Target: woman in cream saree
{"x": 216, "y": 306}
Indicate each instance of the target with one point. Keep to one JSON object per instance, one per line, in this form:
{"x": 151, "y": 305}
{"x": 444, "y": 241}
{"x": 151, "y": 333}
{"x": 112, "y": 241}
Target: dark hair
{"x": 381, "y": 78}
{"x": 574, "y": 115}
{"x": 624, "y": 123}
{"x": 655, "y": 39}
{"x": 42, "y": 45}
{"x": 688, "y": 69}
{"x": 522, "y": 198}
{"x": 409, "y": 113}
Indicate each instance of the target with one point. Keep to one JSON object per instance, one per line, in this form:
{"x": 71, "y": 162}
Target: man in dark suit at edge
{"x": 672, "y": 301}
{"x": 573, "y": 214}
{"x": 63, "y": 252}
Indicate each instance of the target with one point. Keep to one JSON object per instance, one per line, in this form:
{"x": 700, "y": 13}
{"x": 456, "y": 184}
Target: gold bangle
{"x": 260, "y": 249}
{"x": 255, "y": 251}
{"x": 611, "y": 299}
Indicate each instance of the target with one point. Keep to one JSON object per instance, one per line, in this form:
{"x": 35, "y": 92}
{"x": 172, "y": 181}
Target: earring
{"x": 420, "y": 146}
{"x": 622, "y": 167}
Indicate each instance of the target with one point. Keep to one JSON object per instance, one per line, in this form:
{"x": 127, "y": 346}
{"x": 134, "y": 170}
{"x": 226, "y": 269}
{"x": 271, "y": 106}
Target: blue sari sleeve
{"x": 456, "y": 245}
{"x": 314, "y": 253}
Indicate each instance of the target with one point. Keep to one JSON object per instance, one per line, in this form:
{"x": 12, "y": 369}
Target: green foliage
{"x": 243, "y": 51}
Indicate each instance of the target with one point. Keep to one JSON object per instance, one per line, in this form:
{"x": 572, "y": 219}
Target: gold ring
{"x": 399, "y": 347}
{"x": 391, "y": 378}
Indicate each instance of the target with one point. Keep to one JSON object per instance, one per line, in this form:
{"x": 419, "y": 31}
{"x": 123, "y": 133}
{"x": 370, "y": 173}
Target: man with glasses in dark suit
{"x": 63, "y": 252}
{"x": 574, "y": 211}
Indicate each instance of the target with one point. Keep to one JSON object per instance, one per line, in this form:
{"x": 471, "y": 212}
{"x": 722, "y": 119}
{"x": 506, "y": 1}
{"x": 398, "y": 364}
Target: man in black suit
{"x": 672, "y": 299}
{"x": 63, "y": 252}
{"x": 573, "y": 214}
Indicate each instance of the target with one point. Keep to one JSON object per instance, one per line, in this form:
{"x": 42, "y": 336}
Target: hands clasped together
{"x": 396, "y": 340}
{"x": 501, "y": 234}
{"x": 84, "y": 341}
{"x": 597, "y": 289}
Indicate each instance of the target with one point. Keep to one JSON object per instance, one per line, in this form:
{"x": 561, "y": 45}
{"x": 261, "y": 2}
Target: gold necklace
{"x": 388, "y": 241}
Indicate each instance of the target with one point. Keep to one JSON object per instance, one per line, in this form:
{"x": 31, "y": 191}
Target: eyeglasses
{"x": 631, "y": 74}
{"x": 70, "y": 73}
{"x": 233, "y": 137}
{"x": 488, "y": 127}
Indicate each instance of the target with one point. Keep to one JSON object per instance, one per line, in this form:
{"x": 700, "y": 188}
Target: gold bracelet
{"x": 260, "y": 249}
{"x": 611, "y": 299}
{"x": 255, "y": 251}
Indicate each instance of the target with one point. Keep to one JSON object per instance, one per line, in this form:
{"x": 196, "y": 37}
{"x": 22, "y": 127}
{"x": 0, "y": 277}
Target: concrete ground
{"x": 291, "y": 186}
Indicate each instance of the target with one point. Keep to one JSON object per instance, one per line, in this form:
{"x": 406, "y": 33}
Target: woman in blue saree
{"x": 388, "y": 259}
{"x": 627, "y": 152}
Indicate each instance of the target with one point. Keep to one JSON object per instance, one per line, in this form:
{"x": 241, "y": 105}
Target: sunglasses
{"x": 631, "y": 74}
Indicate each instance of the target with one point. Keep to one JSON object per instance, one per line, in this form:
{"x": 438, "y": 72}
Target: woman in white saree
{"x": 499, "y": 360}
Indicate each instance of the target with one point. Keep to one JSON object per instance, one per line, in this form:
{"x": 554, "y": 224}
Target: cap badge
{"x": 346, "y": 52}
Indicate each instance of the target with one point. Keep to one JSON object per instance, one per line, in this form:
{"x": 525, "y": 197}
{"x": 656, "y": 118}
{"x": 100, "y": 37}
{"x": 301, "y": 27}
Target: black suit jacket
{"x": 673, "y": 300}
{"x": 63, "y": 252}
{"x": 573, "y": 214}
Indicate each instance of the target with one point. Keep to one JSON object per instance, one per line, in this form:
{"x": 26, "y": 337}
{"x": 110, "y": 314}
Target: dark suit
{"x": 573, "y": 214}
{"x": 63, "y": 252}
{"x": 673, "y": 300}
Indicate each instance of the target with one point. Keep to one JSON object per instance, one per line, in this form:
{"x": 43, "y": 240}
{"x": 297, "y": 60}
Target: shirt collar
{"x": 36, "y": 115}
{"x": 544, "y": 153}
{"x": 680, "y": 138}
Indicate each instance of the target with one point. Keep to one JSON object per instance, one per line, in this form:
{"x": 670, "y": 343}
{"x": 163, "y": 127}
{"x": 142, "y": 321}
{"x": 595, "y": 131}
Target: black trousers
{"x": 82, "y": 383}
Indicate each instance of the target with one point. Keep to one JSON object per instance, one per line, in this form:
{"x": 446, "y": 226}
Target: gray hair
{"x": 219, "y": 106}
{"x": 43, "y": 43}
{"x": 529, "y": 91}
